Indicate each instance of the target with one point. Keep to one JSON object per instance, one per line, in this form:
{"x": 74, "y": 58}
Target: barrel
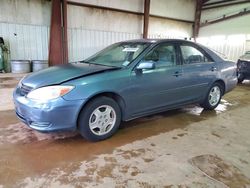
{"x": 39, "y": 65}
{"x": 20, "y": 66}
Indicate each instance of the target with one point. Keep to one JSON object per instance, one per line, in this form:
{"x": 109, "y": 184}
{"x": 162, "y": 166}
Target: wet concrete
{"x": 217, "y": 169}
{"x": 188, "y": 147}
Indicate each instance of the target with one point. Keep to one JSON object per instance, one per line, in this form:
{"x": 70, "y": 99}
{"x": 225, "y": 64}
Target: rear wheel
{"x": 240, "y": 78}
{"x": 99, "y": 119}
{"x": 213, "y": 97}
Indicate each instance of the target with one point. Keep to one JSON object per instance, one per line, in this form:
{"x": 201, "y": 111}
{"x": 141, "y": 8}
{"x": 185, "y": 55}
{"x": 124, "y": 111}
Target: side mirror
{"x": 146, "y": 65}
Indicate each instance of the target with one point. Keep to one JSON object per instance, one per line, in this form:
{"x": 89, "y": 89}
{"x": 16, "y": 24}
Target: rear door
{"x": 199, "y": 71}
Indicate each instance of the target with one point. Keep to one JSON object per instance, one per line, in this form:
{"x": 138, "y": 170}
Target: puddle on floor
{"x": 199, "y": 111}
{"x": 218, "y": 170}
{"x": 20, "y": 133}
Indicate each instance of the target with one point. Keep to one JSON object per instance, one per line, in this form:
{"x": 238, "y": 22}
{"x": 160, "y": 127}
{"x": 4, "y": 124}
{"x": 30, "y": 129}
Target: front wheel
{"x": 99, "y": 119}
{"x": 213, "y": 97}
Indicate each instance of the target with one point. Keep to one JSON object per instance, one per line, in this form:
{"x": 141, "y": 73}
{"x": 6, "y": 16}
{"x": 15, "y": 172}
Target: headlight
{"x": 49, "y": 92}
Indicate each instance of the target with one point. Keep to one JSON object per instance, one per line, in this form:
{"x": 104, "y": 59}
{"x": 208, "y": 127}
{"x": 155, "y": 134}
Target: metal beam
{"x": 205, "y": 1}
{"x": 225, "y": 4}
{"x": 146, "y": 18}
{"x": 56, "y": 37}
{"x": 174, "y": 19}
{"x": 242, "y": 13}
{"x": 197, "y": 18}
{"x": 65, "y": 31}
{"x": 104, "y": 8}
{"x": 58, "y": 45}
{"x": 218, "y": 2}
{"x": 125, "y": 11}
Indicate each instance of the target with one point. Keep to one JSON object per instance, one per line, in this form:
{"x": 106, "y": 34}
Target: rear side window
{"x": 192, "y": 55}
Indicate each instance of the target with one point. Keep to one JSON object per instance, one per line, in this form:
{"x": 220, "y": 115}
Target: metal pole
{"x": 146, "y": 18}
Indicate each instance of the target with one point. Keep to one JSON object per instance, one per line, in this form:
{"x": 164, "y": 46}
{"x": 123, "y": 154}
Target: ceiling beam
{"x": 205, "y": 7}
{"x": 242, "y": 13}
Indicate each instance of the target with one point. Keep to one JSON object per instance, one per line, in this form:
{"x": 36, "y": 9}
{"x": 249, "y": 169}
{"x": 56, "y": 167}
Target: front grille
{"x": 24, "y": 90}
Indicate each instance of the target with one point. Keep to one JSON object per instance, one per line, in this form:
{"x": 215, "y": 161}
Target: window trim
{"x": 174, "y": 44}
{"x": 197, "y": 48}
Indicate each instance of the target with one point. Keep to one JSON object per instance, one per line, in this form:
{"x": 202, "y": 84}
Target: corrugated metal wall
{"x": 231, "y": 46}
{"x": 83, "y": 43}
{"x": 30, "y": 42}
{"x": 26, "y": 42}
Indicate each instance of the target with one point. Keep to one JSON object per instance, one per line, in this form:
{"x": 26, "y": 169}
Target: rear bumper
{"x": 244, "y": 74}
{"x": 56, "y": 115}
{"x": 244, "y": 69}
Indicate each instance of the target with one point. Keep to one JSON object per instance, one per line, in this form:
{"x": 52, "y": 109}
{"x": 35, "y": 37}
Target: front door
{"x": 152, "y": 89}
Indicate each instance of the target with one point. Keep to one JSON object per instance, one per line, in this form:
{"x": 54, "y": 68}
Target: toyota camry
{"x": 124, "y": 81}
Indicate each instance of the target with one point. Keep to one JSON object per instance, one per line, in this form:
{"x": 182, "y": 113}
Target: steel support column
{"x": 58, "y": 41}
{"x": 197, "y": 18}
{"x": 146, "y": 18}
{"x": 65, "y": 32}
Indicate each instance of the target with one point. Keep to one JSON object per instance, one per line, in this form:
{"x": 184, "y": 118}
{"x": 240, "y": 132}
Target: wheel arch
{"x": 222, "y": 83}
{"x": 116, "y": 97}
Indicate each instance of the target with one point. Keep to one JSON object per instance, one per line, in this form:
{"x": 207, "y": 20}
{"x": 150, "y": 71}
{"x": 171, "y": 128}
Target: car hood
{"x": 62, "y": 73}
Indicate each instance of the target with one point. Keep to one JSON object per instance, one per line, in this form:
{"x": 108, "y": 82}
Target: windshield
{"x": 118, "y": 55}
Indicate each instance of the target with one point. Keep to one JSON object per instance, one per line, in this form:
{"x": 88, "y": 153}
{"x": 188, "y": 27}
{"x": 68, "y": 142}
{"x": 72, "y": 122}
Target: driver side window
{"x": 163, "y": 55}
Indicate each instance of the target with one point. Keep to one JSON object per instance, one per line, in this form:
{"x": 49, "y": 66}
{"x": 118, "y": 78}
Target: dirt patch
{"x": 215, "y": 134}
{"x": 9, "y": 82}
{"x": 181, "y": 134}
{"x": 217, "y": 169}
{"x": 132, "y": 153}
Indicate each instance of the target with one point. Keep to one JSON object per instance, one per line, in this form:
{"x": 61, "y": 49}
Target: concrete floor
{"x": 182, "y": 148}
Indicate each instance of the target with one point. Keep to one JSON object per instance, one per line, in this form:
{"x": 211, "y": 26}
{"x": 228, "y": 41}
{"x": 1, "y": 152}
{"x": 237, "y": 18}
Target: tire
{"x": 240, "y": 78}
{"x": 216, "y": 90}
{"x": 99, "y": 119}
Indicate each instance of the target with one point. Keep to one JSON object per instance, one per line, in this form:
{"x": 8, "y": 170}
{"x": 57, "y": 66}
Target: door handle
{"x": 213, "y": 69}
{"x": 177, "y": 73}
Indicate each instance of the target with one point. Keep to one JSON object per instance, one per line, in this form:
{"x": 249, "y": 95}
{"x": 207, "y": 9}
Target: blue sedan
{"x": 124, "y": 81}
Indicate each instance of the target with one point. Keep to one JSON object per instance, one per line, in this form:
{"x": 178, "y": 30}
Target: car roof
{"x": 156, "y": 40}
{"x": 211, "y": 53}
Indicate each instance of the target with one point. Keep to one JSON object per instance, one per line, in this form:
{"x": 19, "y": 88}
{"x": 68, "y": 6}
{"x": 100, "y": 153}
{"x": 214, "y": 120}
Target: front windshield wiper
{"x": 91, "y": 63}
{"x": 84, "y": 61}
